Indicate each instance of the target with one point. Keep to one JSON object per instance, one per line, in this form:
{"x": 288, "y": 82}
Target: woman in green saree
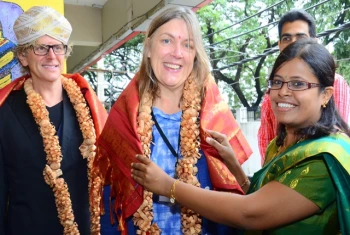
{"x": 304, "y": 186}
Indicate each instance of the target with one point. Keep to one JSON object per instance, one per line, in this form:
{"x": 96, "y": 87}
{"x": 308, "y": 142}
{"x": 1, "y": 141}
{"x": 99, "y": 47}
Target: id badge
{"x": 162, "y": 199}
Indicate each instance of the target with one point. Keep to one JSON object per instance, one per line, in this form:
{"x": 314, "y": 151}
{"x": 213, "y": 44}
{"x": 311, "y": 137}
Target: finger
{"x": 221, "y": 138}
{"x": 214, "y": 143}
{"x": 143, "y": 159}
{"x": 138, "y": 166}
{"x": 217, "y": 135}
{"x": 138, "y": 173}
{"x": 137, "y": 179}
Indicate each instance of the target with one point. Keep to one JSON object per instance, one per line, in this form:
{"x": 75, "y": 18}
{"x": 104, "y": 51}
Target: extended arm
{"x": 267, "y": 208}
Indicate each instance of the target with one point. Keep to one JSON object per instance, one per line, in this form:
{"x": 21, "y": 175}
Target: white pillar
{"x": 101, "y": 80}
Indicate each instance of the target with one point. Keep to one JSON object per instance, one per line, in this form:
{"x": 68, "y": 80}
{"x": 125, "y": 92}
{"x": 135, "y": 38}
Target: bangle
{"x": 172, "y": 192}
{"x": 245, "y": 182}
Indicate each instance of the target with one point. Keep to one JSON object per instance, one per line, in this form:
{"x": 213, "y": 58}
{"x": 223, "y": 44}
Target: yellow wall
{"x": 26, "y": 4}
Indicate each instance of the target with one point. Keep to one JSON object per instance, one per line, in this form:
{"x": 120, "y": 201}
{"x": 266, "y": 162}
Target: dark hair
{"x": 294, "y": 15}
{"x": 322, "y": 65}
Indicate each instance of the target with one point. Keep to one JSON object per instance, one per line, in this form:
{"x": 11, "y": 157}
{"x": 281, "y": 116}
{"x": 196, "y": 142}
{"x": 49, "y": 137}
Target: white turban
{"x": 39, "y": 21}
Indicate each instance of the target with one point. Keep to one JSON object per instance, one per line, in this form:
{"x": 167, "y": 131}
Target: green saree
{"x": 319, "y": 170}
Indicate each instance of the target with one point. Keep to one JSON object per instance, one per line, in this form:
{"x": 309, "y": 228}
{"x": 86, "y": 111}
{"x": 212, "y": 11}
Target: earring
{"x": 324, "y": 104}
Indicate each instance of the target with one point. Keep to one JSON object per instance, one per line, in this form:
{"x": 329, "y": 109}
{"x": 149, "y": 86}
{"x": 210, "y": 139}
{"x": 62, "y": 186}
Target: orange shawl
{"x": 119, "y": 143}
{"x": 98, "y": 112}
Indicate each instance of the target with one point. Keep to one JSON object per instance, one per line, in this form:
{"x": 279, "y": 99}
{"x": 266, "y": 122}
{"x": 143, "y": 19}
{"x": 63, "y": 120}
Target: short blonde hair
{"x": 201, "y": 67}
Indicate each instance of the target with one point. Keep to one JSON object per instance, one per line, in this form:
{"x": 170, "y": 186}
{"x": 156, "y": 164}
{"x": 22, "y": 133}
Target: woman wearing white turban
{"x": 49, "y": 124}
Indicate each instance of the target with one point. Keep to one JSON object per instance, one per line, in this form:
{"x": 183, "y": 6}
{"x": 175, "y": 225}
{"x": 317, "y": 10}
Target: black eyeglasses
{"x": 292, "y": 85}
{"x": 43, "y": 49}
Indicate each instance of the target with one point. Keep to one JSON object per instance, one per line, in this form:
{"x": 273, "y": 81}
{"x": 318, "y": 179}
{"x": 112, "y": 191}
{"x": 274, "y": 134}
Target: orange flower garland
{"x": 144, "y": 215}
{"x": 190, "y": 146}
{"x": 52, "y": 171}
{"x": 186, "y": 168}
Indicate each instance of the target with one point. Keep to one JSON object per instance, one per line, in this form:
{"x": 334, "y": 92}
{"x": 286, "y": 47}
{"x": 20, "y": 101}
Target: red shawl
{"x": 119, "y": 143}
{"x": 98, "y": 112}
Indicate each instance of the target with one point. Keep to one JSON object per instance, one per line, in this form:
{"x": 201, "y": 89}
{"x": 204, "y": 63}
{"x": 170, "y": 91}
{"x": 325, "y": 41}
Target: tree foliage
{"x": 120, "y": 66}
{"x": 251, "y": 31}
{"x": 241, "y": 40}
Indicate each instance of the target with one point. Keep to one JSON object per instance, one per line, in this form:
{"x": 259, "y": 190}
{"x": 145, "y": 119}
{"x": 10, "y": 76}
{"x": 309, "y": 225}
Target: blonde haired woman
{"x": 163, "y": 114}
{"x": 49, "y": 124}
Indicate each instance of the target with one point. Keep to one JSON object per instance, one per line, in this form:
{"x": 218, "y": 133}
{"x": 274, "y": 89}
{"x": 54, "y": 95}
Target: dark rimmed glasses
{"x": 42, "y": 49}
{"x": 292, "y": 85}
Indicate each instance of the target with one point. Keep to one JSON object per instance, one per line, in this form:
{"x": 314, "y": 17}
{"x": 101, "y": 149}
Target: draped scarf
{"x": 98, "y": 112}
{"x": 119, "y": 143}
{"x": 335, "y": 150}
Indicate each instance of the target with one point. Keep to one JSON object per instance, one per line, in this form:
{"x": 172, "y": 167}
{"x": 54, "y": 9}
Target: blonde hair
{"x": 201, "y": 67}
{"x": 22, "y": 50}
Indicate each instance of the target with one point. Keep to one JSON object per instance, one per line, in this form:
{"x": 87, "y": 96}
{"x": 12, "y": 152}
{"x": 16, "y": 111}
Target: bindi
{"x": 179, "y": 37}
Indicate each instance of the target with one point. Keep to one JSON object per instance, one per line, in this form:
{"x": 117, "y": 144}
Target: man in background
{"x": 295, "y": 25}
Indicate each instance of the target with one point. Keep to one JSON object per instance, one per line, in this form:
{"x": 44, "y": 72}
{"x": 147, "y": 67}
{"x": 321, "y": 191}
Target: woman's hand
{"x": 220, "y": 142}
{"x": 222, "y": 145}
{"x": 151, "y": 176}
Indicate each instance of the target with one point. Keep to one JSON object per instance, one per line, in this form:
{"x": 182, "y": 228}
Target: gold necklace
{"x": 186, "y": 168}
{"x": 52, "y": 171}
{"x": 285, "y": 146}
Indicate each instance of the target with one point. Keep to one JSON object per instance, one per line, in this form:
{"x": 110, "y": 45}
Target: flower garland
{"x": 52, "y": 172}
{"x": 186, "y": 168}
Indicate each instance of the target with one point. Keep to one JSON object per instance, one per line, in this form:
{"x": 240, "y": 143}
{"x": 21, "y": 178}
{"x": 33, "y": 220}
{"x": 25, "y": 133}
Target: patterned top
{"x": 167, "y": 215}
{"x": 268, "y": 126}
{"x": 319, "y": 170}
